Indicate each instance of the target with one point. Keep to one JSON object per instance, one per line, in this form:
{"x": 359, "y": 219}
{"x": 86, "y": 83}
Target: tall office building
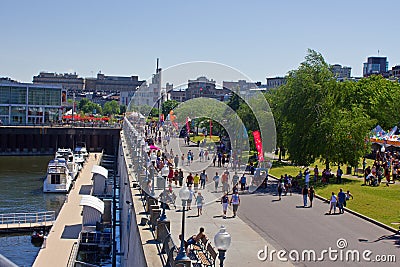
{"x": 376, "y": 65}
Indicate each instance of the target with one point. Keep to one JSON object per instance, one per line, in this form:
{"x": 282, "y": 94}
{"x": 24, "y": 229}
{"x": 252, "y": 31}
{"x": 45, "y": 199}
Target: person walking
{"x": 243, "y": 182}
{"x": 180, "y": 177}
{"x": 333, "y": 201}
{"x": 307, "y": 177}
{"x": 176, "y": 161}
{"x": 305, "y": 195}
{"x": 183, "y": 160}
{"x": 316, "y": 173}
{"x": 190, "y": 199}
{"x": 341, "y": 200}
{"x": 280, "y": 189}
{"x": 199, "y": 203}
{"x": 203, "y": 179}
{"x": 196, "y": 181}
{"x": 339, "y": 174}
{"x": 189, "y": 180}
{"x": 235, "y": 201}
{"x": 235, "y": 179}
{"x": 225, "y": 203}
{"x": 311, "y": 194}
{"x": 216, "y": 181}
{"x": 224, "y": 180}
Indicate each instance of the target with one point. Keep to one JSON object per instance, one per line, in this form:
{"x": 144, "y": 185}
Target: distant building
{"x": 376, "y": 65}
{"x": 395, "y": 71}
{"x": 240, "y": 85}
{"x": 341, "y": 72}
{"x": 178, "y": 95}
{"x": 145, "y": 94}
{"x": 112, "y": 83}
{"x": 28, "y": 104}
{"x": 202, "y": 87}
{"x": 275, "y": 82}
{"x": 68, "y": 81}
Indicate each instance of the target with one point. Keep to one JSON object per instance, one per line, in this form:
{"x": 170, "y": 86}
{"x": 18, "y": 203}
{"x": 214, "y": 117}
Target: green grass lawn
{"x": 381, "y": 203}
{"x": 214, "y": 138}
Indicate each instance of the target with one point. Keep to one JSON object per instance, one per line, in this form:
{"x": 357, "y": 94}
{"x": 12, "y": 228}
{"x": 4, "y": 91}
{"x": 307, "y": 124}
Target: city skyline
{"x": 261, "y": 39}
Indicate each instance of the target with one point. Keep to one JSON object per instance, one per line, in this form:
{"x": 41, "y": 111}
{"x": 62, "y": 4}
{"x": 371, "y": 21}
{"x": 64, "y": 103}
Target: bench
{"x": 205, "y": 252}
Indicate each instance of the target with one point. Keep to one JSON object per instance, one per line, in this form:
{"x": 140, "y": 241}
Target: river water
{"x": 21, "y": 180}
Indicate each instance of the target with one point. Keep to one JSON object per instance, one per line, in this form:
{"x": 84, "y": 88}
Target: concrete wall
{"x": 29, "y": 140}
{"x": 131, "y": 246}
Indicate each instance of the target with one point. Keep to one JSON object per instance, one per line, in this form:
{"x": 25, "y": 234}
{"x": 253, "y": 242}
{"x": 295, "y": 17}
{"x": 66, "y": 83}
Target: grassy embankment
{"x": 381, "y": 203}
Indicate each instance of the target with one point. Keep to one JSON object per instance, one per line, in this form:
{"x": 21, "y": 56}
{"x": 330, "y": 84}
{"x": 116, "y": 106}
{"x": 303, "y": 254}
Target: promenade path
{"x": 65, "y": 232}
{"x": 265, "y": 222}
{"x": 246, "y": 242}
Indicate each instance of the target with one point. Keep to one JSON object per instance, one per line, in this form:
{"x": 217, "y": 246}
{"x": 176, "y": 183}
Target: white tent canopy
{"x": 93, "y": 202}
{"x": 100, "y": 170}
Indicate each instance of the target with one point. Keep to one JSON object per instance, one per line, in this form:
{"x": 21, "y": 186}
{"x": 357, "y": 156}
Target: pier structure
{"x": 64, "y": 236}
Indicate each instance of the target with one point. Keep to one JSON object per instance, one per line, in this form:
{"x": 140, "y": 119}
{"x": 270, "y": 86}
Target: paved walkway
{"x": 65, "y": 232}
{"x": 245, "y": 241}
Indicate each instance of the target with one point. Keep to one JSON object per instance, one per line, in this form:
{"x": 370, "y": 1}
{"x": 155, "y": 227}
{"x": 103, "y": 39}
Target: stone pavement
{"x": 245, "y": 241}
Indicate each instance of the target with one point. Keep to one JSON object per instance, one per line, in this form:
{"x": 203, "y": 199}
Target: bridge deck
{"x": 22, "y": 226}
{"x": 65, "y": 232}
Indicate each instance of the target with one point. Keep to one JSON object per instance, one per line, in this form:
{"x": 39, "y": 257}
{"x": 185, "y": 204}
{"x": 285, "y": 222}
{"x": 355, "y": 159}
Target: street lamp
{"x": 222, "y": 241}
{"x": 164, "y": 174}
{"x": 184, "y": 194}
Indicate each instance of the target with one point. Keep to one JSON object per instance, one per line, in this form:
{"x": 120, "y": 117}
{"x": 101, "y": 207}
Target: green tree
{"x": 88, "y": 107}
{"x": 167, "y": 106}
{"x": 111, "y": 108}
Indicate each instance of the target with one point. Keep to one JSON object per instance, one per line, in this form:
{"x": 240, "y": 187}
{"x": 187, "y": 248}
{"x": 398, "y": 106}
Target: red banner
{"x": 258, "y": 142}
{"x": 187, "y": 125}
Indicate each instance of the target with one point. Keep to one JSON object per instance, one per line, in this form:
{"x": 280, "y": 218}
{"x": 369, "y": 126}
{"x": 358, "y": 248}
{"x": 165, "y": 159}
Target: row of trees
{"x": 317, "y": 117}
{"x": 110, "y": 108}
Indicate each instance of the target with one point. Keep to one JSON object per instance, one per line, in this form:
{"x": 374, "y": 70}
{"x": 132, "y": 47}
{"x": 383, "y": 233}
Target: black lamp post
{"x": 222, "y": 241}
{"x": 184, "y": 194}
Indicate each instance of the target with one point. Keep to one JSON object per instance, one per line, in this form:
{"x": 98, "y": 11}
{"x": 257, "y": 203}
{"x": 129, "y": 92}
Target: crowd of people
{"x": 386, "y": 167}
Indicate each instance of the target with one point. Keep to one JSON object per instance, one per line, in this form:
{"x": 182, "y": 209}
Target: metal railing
{"x": 35, "y": 217}
{"x": 73, "y": 254}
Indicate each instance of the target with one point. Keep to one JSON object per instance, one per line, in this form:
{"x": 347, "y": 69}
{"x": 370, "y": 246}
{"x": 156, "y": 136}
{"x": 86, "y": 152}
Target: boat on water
{"x": 66, "y": 153}
{"x": 58, "y": 178}
{"x": 79, "y": 156}
{"x": 81, "y": 149}
{"x": 37, "y": 237}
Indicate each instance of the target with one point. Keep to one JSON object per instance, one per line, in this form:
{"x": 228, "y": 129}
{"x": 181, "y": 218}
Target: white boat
{"x": 66, "y": 153}
{"x": 79, "y": 156}
{"x": 58, "y": 178}
{"x": 81, "y": 149}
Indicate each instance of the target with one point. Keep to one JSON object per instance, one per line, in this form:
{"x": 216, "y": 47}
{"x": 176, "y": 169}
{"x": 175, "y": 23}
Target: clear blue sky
{"x": 260, "y": 38}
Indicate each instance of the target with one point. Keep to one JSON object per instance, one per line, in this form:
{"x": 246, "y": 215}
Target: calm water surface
{"x": 21, "y": 180}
